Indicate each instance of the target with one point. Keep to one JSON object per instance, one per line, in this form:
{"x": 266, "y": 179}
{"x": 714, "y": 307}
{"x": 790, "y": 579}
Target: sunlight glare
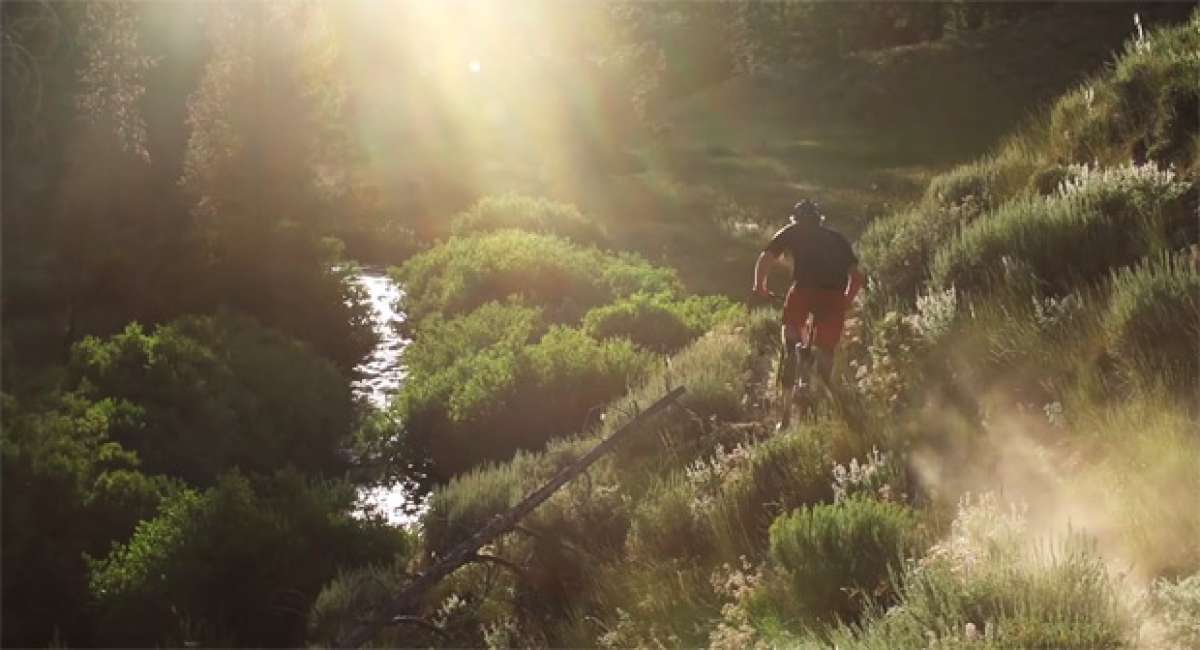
{"x": 474, "y": 66}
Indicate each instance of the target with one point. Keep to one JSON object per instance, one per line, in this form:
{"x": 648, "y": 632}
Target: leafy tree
{"x": 237, "y": 564}
{"x": 220, "y": 392}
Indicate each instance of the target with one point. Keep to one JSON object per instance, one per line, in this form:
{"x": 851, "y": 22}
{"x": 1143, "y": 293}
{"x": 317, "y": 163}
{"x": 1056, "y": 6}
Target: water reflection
{"x": 377, "y": 379}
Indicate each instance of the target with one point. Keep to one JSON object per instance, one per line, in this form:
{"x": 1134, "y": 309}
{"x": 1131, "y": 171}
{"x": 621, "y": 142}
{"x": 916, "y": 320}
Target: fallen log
{"x": 467, "y": 551}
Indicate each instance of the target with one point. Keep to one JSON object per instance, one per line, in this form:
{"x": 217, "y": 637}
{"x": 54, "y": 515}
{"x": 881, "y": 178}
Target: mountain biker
{"x": 825, "y": 280}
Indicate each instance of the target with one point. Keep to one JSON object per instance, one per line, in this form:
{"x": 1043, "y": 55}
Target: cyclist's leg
{"x": 796, "y": 309}
{"x": 829, "y": 317}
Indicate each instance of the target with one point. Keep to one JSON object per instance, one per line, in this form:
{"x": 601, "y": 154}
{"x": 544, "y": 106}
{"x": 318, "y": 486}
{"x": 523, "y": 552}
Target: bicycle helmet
{"x": 806, "y": 210}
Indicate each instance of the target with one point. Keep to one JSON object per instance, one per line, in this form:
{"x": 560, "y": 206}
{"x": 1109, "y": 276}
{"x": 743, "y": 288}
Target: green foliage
{"x": 1113, "y": 213}
{"x": 237, "y": 564}
{"x": 219, "y": 392}
{"x": 514, "y": 211}
{"x": 562, "y": 278}
{"x": 839, "y": 555}
{"x": 657, "y": 322}
{"x": 508, "y": 395}
{"x": 494, "y": 325}
{"x": 1153, "y": 321}
{"x": 1104, "y": 219}
{"x": 69, "y": 490}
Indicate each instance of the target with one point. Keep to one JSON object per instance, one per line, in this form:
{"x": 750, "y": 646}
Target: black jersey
{"x": 821, "y": 257}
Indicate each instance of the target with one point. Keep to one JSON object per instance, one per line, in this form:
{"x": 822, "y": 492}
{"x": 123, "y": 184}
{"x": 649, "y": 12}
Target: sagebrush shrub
{"x": 839, "y": 555}
{"x": 785, "y": 472}
{"x": 1153, "y": 321}
{"x": 1101, "y": 220}
{"x": 468, "y": 502}
{"x": 664, "y": 525}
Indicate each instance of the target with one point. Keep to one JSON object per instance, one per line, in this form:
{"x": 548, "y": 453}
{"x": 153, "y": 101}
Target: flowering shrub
{"x": 892, "y": 353}
{"x": 1147, "y": 178}
{"x": 1052, "y": 313}
{"x": 707, "y": 477}
{"x": 935, "y": 315}
{"x": 739, "y": 586}
{"x": 879, "y": 476}
{"x": 983, "y": 529}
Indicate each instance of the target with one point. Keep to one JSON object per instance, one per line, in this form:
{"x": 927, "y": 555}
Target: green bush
{"x": 220, "y": 392}
{"x": 514, "y": 211}
{"x": 565, "y": 280}
{"x": 1103, "y": 219}
{"x": 785, "y": 472}
{"x": 642, "y": 319}
{"x": 491, "y": 402}
{"x": 972, "y": 181}
{"x": 840, "y": 555}
{"x": 237, "y": 564}
{"x": 658, "y": 322}
{"x": 1153, "y": 321}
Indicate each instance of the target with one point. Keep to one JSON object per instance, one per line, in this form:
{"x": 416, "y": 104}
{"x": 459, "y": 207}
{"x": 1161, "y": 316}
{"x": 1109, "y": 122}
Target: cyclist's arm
{"x": 855, "y": 283}
{"x": 762, "y": 268}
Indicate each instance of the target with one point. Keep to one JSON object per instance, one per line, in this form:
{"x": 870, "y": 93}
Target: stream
{"x": 376, "y": 380}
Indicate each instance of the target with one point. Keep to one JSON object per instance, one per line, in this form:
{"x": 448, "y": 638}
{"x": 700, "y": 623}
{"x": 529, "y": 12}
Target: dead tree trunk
{"x": 466, "y": 551}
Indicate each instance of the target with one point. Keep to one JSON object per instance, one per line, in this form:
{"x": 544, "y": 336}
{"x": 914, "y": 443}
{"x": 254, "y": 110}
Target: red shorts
{"x": 828, "y": 309}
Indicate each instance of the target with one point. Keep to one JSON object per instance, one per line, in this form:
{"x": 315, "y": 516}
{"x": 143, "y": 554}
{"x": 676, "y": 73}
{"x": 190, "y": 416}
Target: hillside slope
{"x": 1009, "y": 460}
